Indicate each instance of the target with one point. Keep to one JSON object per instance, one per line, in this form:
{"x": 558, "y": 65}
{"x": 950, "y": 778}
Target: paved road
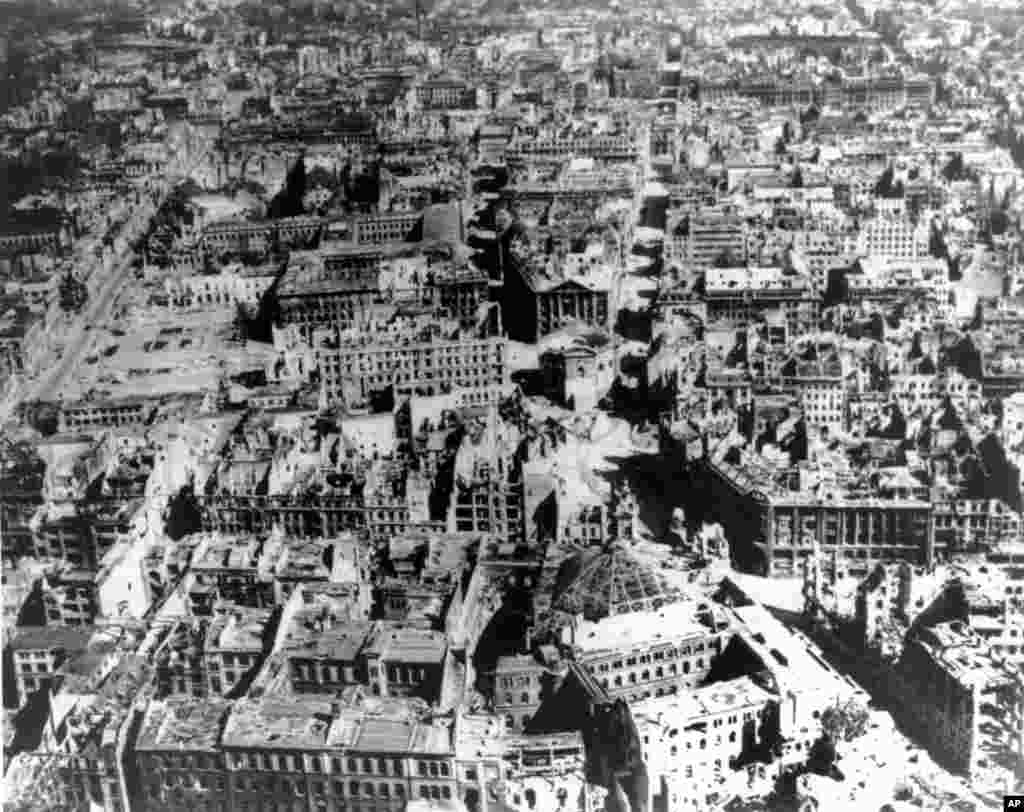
{"x": 99, "y": 307}
{"x": 48, "y": 386}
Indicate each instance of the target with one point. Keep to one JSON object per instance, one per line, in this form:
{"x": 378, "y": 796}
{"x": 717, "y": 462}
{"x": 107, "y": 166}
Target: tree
{"x": 822, "y": 755}
{"x": 844, "y": 722}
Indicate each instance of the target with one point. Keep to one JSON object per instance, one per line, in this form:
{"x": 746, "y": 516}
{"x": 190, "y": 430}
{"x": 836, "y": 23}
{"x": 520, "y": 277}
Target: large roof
{"x": 608, "y": 582}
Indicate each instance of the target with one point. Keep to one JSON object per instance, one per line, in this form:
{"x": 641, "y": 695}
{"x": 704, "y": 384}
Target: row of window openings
{"x": 467, "y": 375}
{"x": 387, "y": 365}
{"x": 297, "y": 787}
{"x": 179, "y": 668}
{"x": 350, "y": 309}
{"x": 26, "y": 668}
{"x": 380, "y": 766}
{"x": 703, "y": 744}
{"x": 659, "y": 673}
{"x": 328, "y": 673}
{"x": 644, "y": 659}
{"x": 74, "y": 798}
{"x": 355, "y": 789}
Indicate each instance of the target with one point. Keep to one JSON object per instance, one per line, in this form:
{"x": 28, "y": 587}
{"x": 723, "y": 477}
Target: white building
{"x": 894, "y": 237}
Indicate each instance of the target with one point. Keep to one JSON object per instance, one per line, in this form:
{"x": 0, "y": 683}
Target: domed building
{"x": 601, "y": 583}
{"x": 638, "y": 634}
